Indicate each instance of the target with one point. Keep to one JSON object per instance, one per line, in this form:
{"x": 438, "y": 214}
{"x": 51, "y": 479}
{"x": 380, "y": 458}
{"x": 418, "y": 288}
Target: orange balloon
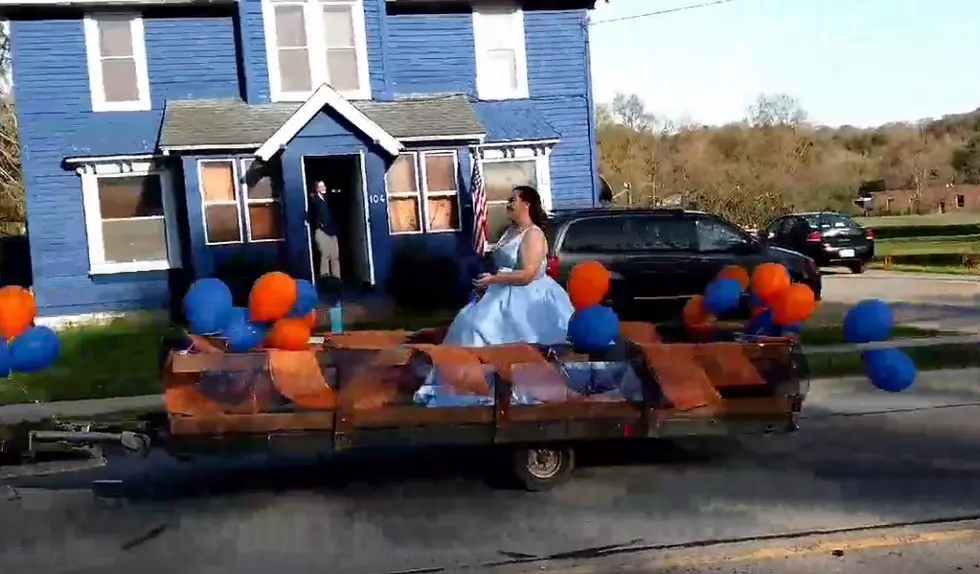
{"x": 290, "y": 334}
{"x": 17, "y": 311}
{"x": 736, "y": 272}
{"x": 795, "y": 305}
{"x": 272, "y": 297}
{"x": 769, "y": 280}
{"x": 694, "y": 313}
{"x": 588, "y": 284}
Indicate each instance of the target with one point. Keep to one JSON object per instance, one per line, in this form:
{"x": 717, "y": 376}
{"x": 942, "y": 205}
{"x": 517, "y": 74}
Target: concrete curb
{"x": 30, "y": 412}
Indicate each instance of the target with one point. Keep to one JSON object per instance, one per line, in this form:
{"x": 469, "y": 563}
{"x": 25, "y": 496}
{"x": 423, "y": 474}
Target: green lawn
{"x": 913, "y": 220}
{"x": 120, "y": 359}
{"x": 928, "y": 245}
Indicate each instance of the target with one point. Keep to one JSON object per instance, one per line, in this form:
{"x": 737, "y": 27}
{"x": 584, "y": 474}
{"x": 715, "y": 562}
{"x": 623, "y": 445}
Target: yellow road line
{"x": 771, "y": 553}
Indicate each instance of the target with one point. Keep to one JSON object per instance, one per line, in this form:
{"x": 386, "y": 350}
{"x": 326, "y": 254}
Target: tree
{"x": 776, "y": 110}
{"x": 966, "y": 161}
{"x": 631, "y": 112}
{"x": 12, "y": 205}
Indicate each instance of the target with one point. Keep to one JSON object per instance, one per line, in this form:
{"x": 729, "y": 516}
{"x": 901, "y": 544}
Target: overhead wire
{"x": 661, "y": 12}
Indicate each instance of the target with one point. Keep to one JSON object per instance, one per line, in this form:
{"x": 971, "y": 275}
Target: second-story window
{"x": 314, "y": 42}
{"x": 501, "y": 59}
{"x": 116, "y": 54}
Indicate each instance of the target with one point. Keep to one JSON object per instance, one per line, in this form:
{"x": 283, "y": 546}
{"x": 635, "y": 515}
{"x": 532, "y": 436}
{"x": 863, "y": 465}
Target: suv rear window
{"x": 830, "y": 221}
{"x": 663, "y": 233}
{"x": 597, "y": 234}
{"x": 630, "y": 233}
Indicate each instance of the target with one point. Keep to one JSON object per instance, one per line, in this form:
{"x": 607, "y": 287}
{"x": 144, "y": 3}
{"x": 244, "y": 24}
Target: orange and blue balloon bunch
{"x": 24, "y": 347}
{"x": 872, "y": 321}
{"x": 281, "y": 313}
{"x": 594, "y": 326}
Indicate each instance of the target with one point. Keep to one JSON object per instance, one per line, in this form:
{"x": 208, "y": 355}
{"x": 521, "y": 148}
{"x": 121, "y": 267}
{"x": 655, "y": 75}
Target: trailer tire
{"x": 541, "y": 468}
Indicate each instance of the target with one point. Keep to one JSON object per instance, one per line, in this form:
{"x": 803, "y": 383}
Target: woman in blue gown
{"x": 518, "y": 303}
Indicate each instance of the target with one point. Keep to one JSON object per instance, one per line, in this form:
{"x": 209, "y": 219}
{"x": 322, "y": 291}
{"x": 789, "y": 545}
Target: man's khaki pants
{"x": 329, "y": 253}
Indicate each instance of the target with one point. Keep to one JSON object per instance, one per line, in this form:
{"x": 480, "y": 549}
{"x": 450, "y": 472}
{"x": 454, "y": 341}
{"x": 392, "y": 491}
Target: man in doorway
{"x": 325, "y": 233}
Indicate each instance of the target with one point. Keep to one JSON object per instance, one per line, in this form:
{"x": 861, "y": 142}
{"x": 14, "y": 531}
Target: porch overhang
{"x": 325, "y": 96}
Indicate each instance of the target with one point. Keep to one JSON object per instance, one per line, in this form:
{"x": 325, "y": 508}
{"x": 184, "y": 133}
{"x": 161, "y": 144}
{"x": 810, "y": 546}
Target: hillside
{"x": 774, "y": 160}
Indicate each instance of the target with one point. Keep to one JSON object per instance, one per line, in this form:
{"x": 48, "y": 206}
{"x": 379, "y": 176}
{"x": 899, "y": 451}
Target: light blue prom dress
{"x": 534, "y": 313}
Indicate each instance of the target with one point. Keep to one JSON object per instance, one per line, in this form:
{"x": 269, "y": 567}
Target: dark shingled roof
{"x": 218, "y": 123}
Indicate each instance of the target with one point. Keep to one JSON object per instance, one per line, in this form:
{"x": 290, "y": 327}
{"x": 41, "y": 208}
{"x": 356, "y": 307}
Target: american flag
{"x": 479, "y": 209}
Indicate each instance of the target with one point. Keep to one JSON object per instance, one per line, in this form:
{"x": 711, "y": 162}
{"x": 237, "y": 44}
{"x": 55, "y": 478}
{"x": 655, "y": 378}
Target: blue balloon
{"x": 723, "y": 296}
{"x": 242, "y": 334}
{"x": 206, "y": 306}
{"x": 306, "y": 299}
{"x": 763, "y": 325}
{"x": 890, "y": 370}
{"x": 793, "y": 329}
{"x": 869, "y": 321}
{"x": 35, "y": 349}
{"x": 4, "y": 358}
{"x": 594, "y": 328}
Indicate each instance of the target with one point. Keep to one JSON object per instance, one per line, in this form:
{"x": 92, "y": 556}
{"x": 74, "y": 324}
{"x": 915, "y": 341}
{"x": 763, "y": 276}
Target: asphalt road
{"x": 862, "y": 458}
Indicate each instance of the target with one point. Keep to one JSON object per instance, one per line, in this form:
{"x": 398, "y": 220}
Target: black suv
{"x": 660, "y": 257}
{"x": 827, "y": 237}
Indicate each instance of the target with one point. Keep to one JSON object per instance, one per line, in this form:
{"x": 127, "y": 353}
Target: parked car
{"x": 659, "y": 258}
{"x": 827, "y": 237}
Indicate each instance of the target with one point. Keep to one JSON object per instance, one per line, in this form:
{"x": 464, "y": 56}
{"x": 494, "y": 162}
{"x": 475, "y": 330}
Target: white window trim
{"x": 235, "y": 173}
{"x": 316, "y": 44}
{"x": 417, "y": 195}
{"x": 487, "y": 87}
{"x": 90, "y": 174}
{"x": 540, "y": 154}
{"x": 243, "y": 167}
{"x": 427, "y": 193}
{"x": 94, "y": 60}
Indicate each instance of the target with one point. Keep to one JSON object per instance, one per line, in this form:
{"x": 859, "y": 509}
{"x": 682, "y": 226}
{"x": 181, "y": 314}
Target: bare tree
{"x": 631, "y": 112}
{"x": 12, "y": 204}
{"x": 776, "y": 110}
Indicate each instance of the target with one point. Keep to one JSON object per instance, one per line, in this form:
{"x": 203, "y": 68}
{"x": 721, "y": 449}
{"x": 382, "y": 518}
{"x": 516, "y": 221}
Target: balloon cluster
{"x": 871, "y": 321}
{"x": 779, "y": 306}
{"x": 593, "y": 327}
{"x": 24, "y": 348}
{"x": 281, "y": 313}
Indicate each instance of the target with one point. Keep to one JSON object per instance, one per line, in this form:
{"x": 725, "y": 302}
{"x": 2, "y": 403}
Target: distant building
{"x": 944, "y": 199}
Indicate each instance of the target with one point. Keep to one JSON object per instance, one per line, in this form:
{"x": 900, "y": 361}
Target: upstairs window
{"x": 315, "y": 42}
{"x": 116, "y": 53}
{"x": 501, "y": 59}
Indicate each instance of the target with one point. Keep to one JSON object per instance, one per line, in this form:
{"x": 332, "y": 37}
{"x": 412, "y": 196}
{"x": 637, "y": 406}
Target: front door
{"x": 343, "y": 179}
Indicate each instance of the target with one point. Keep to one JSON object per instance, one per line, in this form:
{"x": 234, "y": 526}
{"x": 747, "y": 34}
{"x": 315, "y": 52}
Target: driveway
{"x": 862, "y": 458}
{"x": 945, "y": 302}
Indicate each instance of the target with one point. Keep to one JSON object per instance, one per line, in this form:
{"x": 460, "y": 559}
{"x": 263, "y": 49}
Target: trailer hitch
{"x": 136, "y": 444}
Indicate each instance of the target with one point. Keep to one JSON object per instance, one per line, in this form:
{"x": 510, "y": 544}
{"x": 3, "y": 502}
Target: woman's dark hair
{"x": 532, "y": 198}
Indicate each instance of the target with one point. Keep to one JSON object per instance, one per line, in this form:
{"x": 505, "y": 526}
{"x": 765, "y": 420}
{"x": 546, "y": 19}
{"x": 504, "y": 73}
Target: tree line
{"x": 774, "y": 160}
{"x": 12, "y": 207}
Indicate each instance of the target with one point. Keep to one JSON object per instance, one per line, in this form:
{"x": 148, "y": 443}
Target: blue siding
{"x": 431, "y": 53}
{"x": 187, "y": 58}
{"x": 256, "y": 66}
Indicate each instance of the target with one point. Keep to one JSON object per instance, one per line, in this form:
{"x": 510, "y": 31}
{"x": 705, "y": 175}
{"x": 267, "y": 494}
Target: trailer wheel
{"x": 541, "y": 468}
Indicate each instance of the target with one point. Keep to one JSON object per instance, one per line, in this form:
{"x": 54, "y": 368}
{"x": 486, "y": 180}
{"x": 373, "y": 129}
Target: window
{"x": 960, "y": 200}
{"x": 432, "y": 176}
{"x": 499, "y": 180}
{"x": 129, "y": 218}
{"x": 830, "y": 221}
{"x": 315, "y": 42}
{"x": 501, "y": 60}
{"x": 716, "y": 235}
{"x": 662, "y": 234}
{"x": 229, "y": 190}
{"x": 116, "y": 54}
{"x": 597, "y": 235}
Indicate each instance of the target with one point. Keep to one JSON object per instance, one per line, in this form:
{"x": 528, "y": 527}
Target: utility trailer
{"x": 359, "y": 391}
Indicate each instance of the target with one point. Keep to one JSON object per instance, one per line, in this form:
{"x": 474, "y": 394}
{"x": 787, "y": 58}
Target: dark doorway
{"x": 342, "y": 176}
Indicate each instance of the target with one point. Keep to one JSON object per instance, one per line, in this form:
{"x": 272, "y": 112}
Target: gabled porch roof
{"x": 197, "y": 125}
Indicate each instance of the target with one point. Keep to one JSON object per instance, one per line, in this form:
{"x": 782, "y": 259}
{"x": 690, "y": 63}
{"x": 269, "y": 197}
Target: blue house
{"x": 164, "y": 139}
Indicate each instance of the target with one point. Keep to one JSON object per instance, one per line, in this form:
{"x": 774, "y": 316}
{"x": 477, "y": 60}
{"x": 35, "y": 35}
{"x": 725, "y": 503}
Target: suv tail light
{"x": 813, "y": 237}
{"x": 869, "y": 234}
{"x": 552, "y": 267}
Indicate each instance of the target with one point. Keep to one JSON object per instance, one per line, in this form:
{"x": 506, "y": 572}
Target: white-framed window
{"x": 315, "y": 42}
{"x": 130, "y": 217}
{"x": 503, "y": 169}
{"x": 237, "y": 206}
{"x": 501, "y": 57}
{"x": 423, "y": 192}
{"x": 116, "y": 54}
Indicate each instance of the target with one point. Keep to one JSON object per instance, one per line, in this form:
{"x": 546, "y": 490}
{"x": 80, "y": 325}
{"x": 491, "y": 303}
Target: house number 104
{"x": 377, "y": 198}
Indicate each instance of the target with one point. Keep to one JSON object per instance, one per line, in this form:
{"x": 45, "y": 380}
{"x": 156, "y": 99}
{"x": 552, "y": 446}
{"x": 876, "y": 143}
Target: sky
{"x": 856, "y": 62}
